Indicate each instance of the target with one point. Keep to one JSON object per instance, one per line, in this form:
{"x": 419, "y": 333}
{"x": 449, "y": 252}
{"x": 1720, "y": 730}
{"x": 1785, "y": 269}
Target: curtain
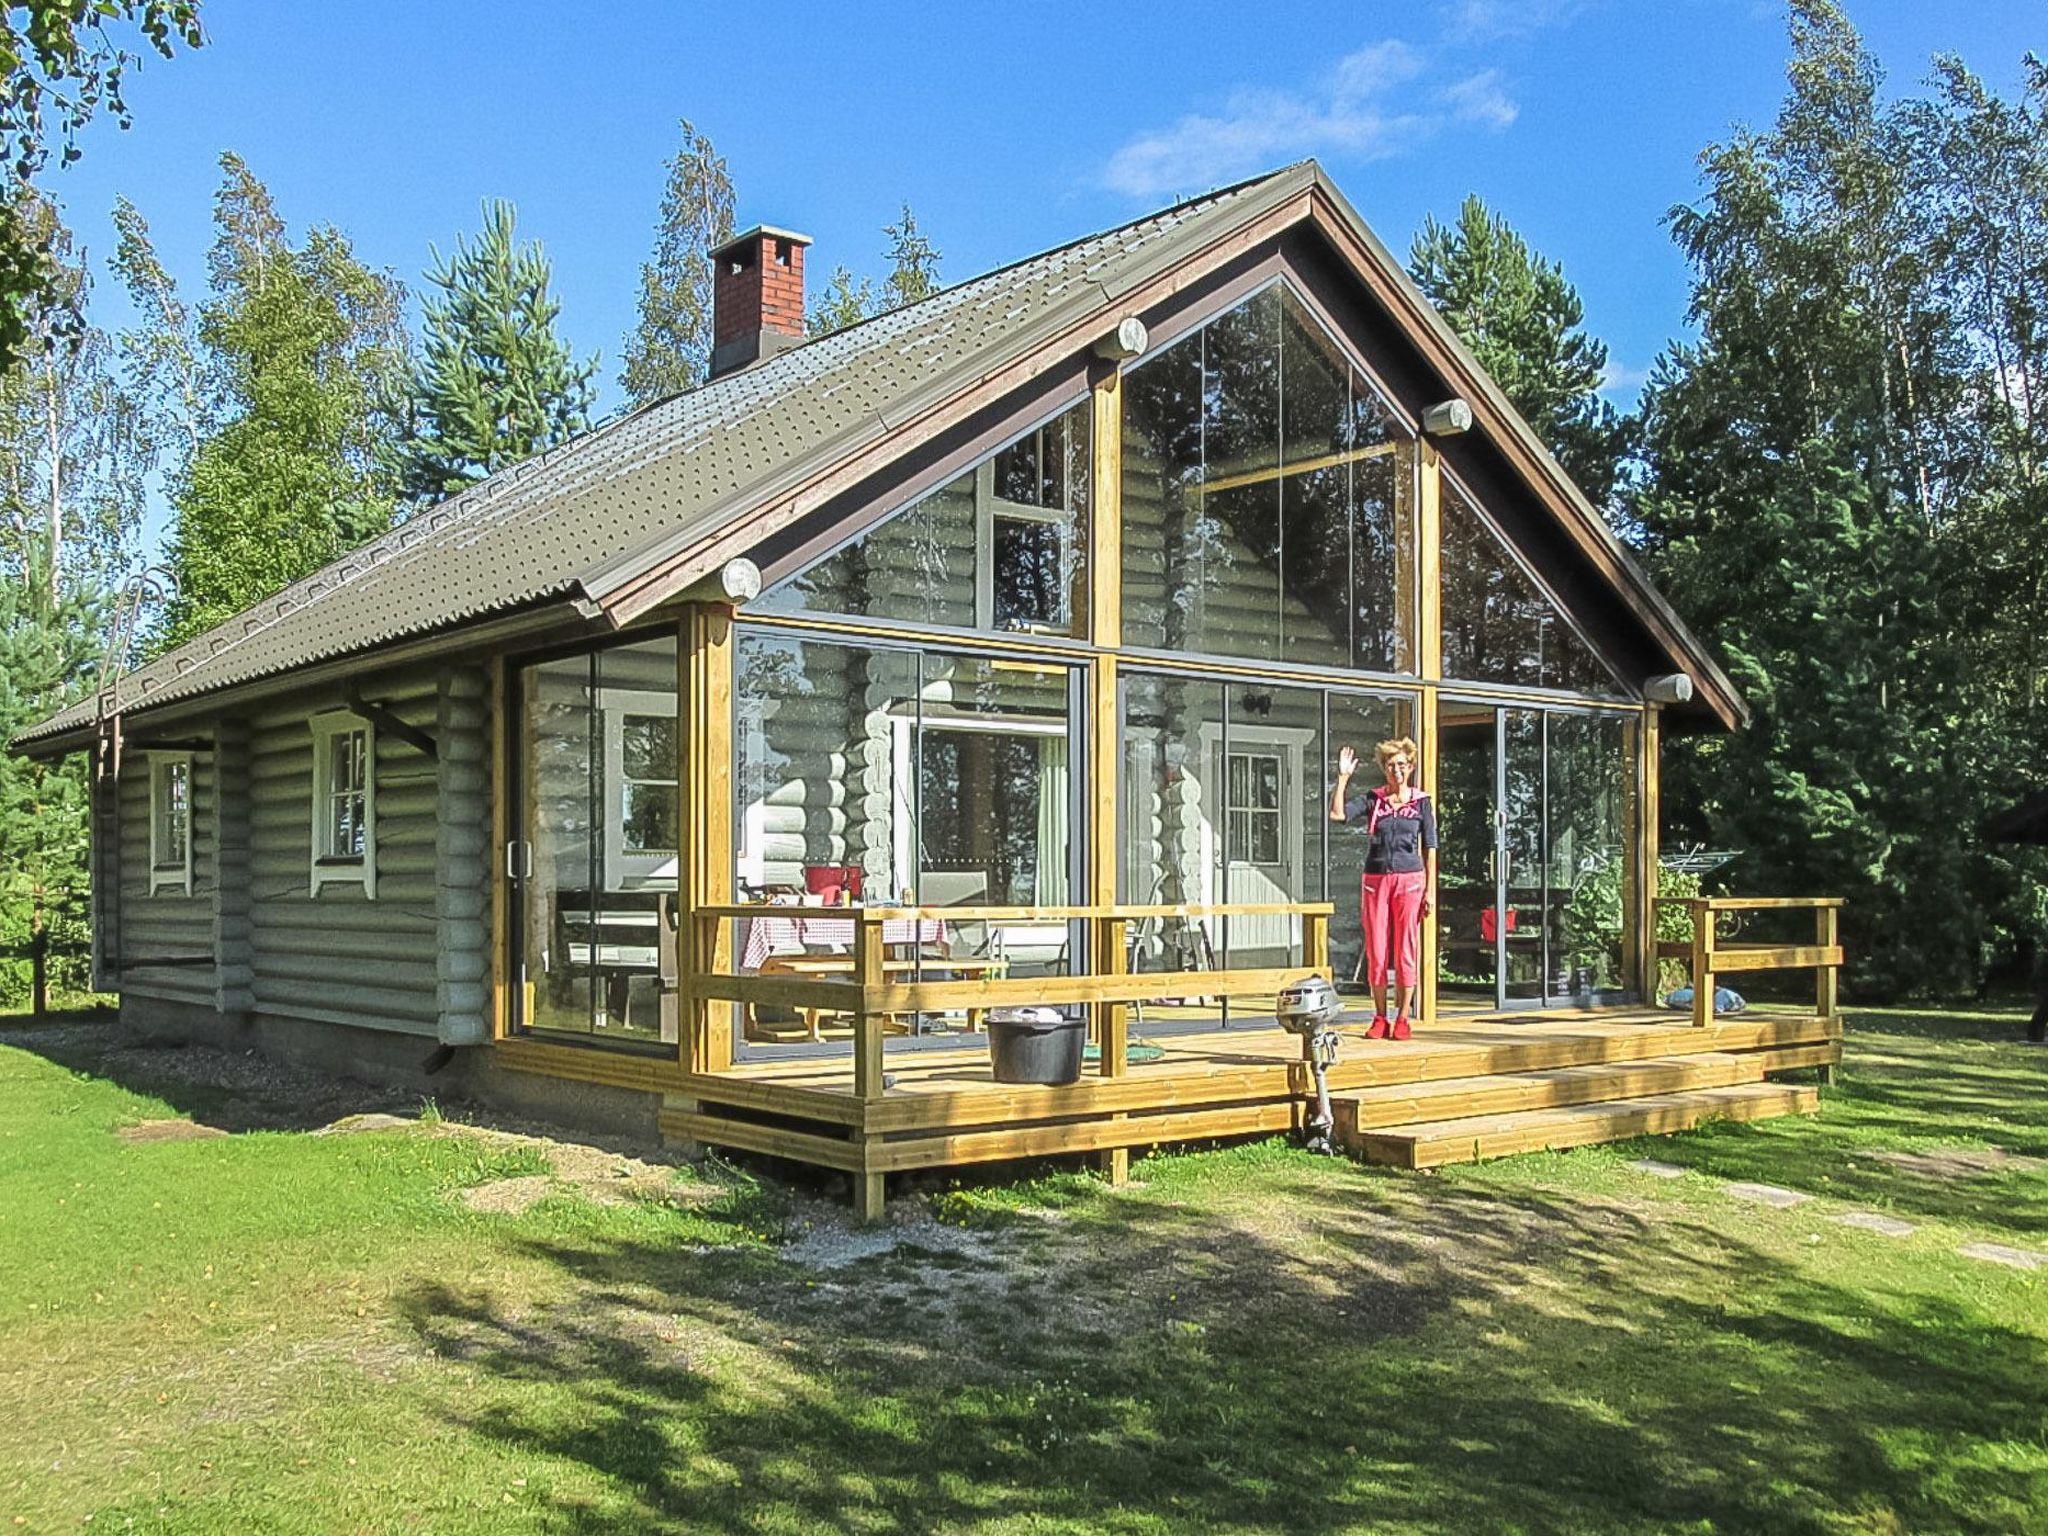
{"x": 1049, "y": 884}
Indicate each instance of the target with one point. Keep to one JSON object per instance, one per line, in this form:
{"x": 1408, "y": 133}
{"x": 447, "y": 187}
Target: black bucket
{"x": 1036, "y": 1045}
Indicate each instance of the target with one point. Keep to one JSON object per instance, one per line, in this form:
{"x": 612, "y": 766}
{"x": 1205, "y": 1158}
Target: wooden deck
{"x": 1462, "y": 1088}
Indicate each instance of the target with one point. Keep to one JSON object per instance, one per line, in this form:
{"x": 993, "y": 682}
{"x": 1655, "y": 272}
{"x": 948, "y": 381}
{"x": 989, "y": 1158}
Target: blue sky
{"x": 1007, "y": 128}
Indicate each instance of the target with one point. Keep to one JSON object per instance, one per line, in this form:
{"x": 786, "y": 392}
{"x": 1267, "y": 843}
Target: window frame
{"x": 988, "y": 509}
{"x": 634, "y": 869}
{"x": 326, "y": 867}
{"x": 175, "y": 877}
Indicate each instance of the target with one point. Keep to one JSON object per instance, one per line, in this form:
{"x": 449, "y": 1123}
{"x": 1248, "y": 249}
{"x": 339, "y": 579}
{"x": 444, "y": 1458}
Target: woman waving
{"x": 1400, "y": 873}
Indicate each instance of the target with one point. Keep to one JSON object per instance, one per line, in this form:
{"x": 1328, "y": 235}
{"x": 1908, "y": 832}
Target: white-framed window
{"x": 170, "y": 822}
{"x": 344, "y": 801}
{"x": 642, "y": 766}
{"x": 1255, "y": 808}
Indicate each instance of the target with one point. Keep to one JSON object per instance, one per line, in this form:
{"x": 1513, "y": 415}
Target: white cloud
{"x": 1620, "y": 379}
{"x": 1481, "y": 99}
{"x": 1360, "y": 112}
{"x": 1485, "y": 21}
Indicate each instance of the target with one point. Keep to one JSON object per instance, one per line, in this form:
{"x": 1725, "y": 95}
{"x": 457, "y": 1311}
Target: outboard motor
{"x": 1309, "y": 1008}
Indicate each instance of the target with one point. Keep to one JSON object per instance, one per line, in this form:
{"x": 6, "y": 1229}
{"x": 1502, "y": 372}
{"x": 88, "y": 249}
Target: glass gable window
{"x": 1267, "y": 501}
{"x": 998, "y": 548}
{"x": 1500, "y": 626}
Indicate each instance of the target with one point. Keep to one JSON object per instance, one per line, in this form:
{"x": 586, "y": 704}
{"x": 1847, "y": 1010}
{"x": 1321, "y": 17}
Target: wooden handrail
{"x": 1710, "y": 957}
{"x": 1014, "y": 914}
{"x": 1749, "y": 903}
{"x": 875, "y": 990}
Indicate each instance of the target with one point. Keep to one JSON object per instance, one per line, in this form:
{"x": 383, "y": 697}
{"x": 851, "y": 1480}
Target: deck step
{"x": 1365, "y": 1109}
{"x": 1430, "y": 1143}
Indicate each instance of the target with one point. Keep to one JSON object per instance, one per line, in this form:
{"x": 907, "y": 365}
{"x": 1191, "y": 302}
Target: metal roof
{"x": 586, "y": 518}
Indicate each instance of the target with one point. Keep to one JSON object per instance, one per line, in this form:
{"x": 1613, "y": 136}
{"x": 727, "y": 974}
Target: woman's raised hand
{"x": 1347, "y": 762}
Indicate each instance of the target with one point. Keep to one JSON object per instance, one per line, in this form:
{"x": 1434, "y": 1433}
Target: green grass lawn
{"x": 280, "y": 1331}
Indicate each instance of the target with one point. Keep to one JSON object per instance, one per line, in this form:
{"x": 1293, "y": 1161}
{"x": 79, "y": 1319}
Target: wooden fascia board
{"x": 844, "y": 463}
{"x": 1588, "y": 530}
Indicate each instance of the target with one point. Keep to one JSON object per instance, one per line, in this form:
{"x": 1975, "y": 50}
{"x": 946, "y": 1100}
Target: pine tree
{"x": 276, "y": 389}
{"x": 1526, "y": 325}
{"x": 670, "y": 349}
{"x": 495, "y": 384}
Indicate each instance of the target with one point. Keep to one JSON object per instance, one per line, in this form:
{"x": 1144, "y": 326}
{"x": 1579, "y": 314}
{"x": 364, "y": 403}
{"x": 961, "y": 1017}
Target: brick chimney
{"x": 757, "y": 297}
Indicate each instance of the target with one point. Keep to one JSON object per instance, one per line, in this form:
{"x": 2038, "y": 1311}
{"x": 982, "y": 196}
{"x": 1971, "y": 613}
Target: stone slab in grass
{"x": 1874, "y": 1221}
{"x": 1657, "y": 1170}
{"x": 1998, "y": 1253}
{"x": 1767, "y": 1194}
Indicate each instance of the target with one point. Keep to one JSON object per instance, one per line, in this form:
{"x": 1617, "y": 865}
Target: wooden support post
{"x": 1108, "y": 942}
{"x": 1642, "y": 911}
{"x": 1702, "y": 963}
{"x": 704, "y": 822}
{"x": 1315, "y": 943}
{"x": 1105, "y": 512}
{"x": 1426, "y": 637}
{"x": 1428, "y": 649}
{"x": 1428, "y": 731}
{"x": 1827, "y": 979}
{"x": 869, "y": 972}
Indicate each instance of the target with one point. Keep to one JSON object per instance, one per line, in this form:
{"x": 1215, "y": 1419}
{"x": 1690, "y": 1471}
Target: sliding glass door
{"x": 1223, "y": 798}
{"x": 592, "y": 866}
{"x": 1536, "y": 871}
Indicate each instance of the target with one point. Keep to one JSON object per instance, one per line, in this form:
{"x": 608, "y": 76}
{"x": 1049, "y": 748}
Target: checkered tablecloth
{"x": 793, "y": 935}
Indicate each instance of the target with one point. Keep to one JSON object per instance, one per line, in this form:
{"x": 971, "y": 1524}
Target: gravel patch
{"x": 1657, "y": 1170}
{"x": 1961, "y": 1162}
{"x": 145, "y": 1131}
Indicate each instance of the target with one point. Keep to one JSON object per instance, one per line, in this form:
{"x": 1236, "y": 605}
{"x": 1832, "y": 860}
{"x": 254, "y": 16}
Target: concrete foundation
{"x": 394, "y": 1060}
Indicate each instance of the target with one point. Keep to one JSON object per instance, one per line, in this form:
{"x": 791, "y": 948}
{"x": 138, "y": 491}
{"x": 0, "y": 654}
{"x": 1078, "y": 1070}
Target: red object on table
{"x": 836, "y": 883}
{"x": 1489, "y": 923}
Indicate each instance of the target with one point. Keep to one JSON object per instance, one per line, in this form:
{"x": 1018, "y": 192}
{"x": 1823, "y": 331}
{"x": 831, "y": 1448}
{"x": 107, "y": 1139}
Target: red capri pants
{"x": 1390, "y": 908}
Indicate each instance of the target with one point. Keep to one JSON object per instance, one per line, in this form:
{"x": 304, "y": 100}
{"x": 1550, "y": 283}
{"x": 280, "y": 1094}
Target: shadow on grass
{"x": 1345, "y": 1352}
{"x": 1908, "y": 1081}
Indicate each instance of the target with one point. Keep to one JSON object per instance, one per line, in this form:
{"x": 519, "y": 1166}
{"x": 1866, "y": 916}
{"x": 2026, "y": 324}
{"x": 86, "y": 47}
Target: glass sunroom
{"x": 1088, "y": 669}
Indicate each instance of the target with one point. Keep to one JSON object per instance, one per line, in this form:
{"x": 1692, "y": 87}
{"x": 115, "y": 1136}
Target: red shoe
{"x": 1379, "y": 1028}
{"x": 1398, "y": 1030}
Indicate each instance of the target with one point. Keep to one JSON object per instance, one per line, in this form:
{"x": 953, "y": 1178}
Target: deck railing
{"x": 1713, "y": 956}
{"x": 873, "y": 992}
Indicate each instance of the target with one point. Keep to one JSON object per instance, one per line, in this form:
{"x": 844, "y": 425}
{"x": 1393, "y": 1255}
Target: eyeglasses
{"x": 1401, "y": 763}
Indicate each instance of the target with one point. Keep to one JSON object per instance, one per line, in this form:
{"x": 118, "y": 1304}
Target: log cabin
{"x": 721, "y": 771}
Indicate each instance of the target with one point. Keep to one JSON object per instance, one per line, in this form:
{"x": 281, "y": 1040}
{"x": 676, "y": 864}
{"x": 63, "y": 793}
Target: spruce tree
{"x": 495, "y": 383}
{"x": 278, "y": 388}
{"x": 670, "y": 349}
{"x": 1526, "y": 325}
